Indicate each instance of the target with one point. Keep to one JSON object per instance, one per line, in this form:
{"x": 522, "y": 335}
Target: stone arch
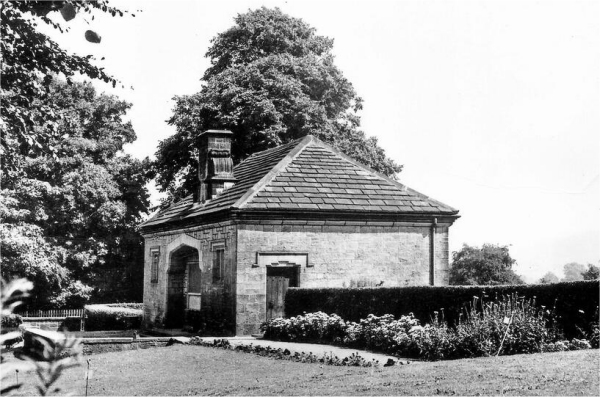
{"x": 184, "y": 239}
{"x": 182, "y": 252}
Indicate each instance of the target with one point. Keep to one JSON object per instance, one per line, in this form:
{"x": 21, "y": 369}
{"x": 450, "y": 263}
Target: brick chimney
{"x": 215, "y": 166}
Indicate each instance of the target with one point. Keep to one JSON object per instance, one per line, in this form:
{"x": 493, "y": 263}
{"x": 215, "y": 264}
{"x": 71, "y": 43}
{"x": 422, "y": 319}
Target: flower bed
{"x": 508, "y": 325}
{"x": 354, "y": 360}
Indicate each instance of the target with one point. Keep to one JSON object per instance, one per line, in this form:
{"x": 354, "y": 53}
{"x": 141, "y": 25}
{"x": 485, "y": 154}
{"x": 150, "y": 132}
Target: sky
{"x": 491, "y": 106}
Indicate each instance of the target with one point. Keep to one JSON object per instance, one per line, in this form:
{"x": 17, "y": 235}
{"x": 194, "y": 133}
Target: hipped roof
{"x": 307, "y": 175}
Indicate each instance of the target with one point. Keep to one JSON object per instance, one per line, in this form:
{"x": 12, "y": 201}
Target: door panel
{"x": 276, "y": 288}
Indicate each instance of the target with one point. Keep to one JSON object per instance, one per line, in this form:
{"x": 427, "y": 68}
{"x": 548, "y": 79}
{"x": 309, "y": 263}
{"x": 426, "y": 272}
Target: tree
{"x": 549, "y": 278}
{"x": 592, "y": 273}
{"x": 29, "y": 60}
{"x": 489, "y": 265}
{"x": 272, "y": 80}
{"x": 72, "y": 217}
{"x": 573, "y": 271}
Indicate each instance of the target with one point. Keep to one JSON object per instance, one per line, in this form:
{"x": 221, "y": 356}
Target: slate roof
{"x": 307, "y": 175}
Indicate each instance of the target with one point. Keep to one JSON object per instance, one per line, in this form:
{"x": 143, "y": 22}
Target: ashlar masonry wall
{"x": 340, "y": 254}
{"x": 205, "y": 239}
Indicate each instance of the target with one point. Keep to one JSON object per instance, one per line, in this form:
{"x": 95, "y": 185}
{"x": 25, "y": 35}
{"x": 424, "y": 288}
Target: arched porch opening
{"x": 184, "y": 276}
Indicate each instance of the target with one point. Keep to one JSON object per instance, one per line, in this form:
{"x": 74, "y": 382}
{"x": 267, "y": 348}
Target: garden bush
{"x": 105, "y": 317}
{"x": 575, "y": 302}
{"x": 313, "y": 327}
{"x": 11, "y": 320}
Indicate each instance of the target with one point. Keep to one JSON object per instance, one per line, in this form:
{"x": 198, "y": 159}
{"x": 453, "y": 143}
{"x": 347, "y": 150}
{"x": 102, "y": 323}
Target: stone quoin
{"x": 298, "y": 215}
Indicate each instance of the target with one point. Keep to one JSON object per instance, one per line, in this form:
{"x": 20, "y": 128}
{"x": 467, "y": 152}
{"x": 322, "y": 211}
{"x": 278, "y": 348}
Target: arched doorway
{"x": 180, "y": 278}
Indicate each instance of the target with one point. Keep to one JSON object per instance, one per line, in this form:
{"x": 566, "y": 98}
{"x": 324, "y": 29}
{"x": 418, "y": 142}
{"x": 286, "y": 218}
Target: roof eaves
{"x": 265, "y": 180}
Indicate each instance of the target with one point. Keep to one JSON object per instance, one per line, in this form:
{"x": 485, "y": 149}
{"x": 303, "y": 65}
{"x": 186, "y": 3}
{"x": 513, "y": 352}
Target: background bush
{"x": 111, "y": 317}
{"x": 11, "y": 320}
{"x": 209, "y": 321}
{"x": 576, "y": 302}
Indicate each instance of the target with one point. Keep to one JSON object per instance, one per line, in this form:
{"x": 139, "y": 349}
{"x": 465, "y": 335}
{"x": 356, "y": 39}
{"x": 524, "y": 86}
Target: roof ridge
{"x": 301, "y": 144}
{"x": 266, "y": 151}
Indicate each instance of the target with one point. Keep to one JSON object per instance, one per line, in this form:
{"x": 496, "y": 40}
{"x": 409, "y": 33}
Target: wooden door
{"x": 276, "y": 288}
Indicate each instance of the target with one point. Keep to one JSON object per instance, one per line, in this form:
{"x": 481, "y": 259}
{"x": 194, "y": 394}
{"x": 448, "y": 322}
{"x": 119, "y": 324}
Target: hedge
{"x": 105, "y": 317}
{"x": 576, "y": 302}
{"x": 133, "y": 305}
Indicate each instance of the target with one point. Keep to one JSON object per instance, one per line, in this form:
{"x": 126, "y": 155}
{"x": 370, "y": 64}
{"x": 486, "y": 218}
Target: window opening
{"x": 218, "y": 264}
{"x": 154, "y": 258}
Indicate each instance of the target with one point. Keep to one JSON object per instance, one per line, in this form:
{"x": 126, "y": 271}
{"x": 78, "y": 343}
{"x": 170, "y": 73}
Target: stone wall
{"x": 204, "y": 239}
{"x": 340, "y": 254}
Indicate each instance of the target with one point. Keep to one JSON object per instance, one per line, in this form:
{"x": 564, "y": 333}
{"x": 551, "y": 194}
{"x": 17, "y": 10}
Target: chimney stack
{"x": 215, "y": 166}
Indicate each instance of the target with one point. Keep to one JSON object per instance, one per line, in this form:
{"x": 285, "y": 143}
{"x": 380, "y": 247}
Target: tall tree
{"x": 29, "y": 61}
{"x": 272, "y": 80}
{"x": 549, "y": 278}
{"x": 592, "y": 272}
{"x": 573, "y": 271}
{"x": 489, "y": 265}
{"x": 71, "y": 218}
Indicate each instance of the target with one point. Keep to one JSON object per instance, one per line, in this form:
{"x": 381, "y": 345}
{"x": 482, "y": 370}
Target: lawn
{"x": 193, "y": 370}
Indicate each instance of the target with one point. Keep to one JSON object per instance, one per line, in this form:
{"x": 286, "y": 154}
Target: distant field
{"x": 193, "y": 370}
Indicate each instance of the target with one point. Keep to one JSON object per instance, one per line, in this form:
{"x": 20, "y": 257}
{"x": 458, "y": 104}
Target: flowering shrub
{"x": 563, "y": 345}
{"x": 318, "y": 327}
{"x": 380, "y": 333}
{"x": 510, "y": 323}
{"x": 434, "y": 341}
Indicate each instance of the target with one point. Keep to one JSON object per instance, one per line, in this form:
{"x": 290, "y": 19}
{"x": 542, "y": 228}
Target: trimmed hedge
{"x": 576, "y": 302}
{"x": 111, "y": 317}
{"x": 132, "y": 305}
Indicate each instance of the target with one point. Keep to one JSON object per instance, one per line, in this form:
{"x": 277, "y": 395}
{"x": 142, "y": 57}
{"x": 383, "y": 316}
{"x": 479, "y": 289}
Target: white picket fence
{"x": 52, "y": 313}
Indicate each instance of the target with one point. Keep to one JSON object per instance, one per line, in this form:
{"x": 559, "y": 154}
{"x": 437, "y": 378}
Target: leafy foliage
{"x": 71, "y": 217}
{"x": 56, "y": 357}
{"x": 272, "y": 80}
{"x": 489, "y": 265}
{"x": 30, "y": 59}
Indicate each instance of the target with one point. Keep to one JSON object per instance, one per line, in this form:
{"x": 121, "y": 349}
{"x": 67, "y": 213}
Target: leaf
{"x": 8, "y": 389}
{"x": 92, "y": 36}
{"x": 68, "y": 12}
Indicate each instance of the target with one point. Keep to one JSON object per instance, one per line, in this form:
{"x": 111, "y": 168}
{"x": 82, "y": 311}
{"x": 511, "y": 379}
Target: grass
{"x": 195, "y": 370}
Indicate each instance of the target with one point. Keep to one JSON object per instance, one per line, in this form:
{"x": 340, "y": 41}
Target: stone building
{"x": 299, "y": 215}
